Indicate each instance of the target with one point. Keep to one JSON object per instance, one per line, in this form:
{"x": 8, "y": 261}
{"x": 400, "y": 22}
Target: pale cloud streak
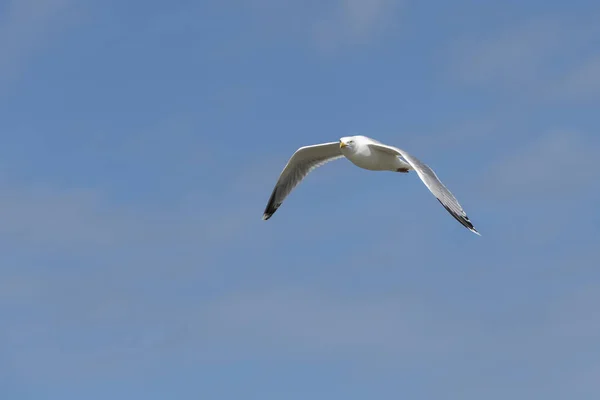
{"x": 302, "y": 323}
{"x": 25, "y": 28}
{"x": 555, "y": 166}
{"x": 354, "y": 22}
{"x": 583, "y": 81}
{"x": 54, "y": 219}
{"x": 511, "y": 57}
{"x": 547, "y": 58}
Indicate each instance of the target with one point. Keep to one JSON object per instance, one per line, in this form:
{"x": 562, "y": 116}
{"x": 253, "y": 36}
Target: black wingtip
{"x": 269, "y": 213}
{"x": 271, "y": 207}
{"x": 475, "y": 231}
{"x": 463, "y": 220}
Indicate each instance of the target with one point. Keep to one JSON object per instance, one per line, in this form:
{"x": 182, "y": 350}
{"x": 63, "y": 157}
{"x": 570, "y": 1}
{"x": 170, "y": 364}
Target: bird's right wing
{"x": 433, "y": 183}
{"x": 303, "y": 161}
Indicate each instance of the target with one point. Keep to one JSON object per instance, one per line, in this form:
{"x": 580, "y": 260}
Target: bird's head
{"x": 347, "y": 143}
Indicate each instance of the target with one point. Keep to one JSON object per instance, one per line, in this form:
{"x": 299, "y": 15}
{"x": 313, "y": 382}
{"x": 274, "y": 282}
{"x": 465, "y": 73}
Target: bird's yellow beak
{"x": 342, "y": 145}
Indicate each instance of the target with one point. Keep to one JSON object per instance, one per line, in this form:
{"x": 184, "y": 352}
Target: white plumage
{"x": 365, "y": 153}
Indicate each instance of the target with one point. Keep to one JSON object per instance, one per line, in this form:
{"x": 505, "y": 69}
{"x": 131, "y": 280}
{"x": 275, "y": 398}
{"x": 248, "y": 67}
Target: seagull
{"x": 366, "y": 153}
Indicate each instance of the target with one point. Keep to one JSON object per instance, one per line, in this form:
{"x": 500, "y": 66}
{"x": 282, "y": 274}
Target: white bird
{"x": 366, "y": 153}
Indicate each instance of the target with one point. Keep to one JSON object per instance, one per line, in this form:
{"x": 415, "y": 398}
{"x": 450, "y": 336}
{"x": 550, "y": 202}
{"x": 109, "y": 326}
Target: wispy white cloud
{"x": 547, "y": 57}
{"x": 302, "y": 322}
{"x": 583, "y": 81}
{"x": 106, "y": 246}
{"x": 279, "y": 323}
{"x": 46, "y": 217}
{"x": 510, "y": 57}
{"x": 316, "y": 321}
{"x": 328, "y": 26}
{"x": 26, "y": 26}
{"x": 353, "y": 22}
{"x": 464, "y": 134}
{"x": 40, "y": 216}
{"x": 554, "y": 166}
{"x": 283, "y": 322}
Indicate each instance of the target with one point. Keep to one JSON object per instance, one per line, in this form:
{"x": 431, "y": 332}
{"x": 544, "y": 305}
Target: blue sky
{"x": 141, "y": 141}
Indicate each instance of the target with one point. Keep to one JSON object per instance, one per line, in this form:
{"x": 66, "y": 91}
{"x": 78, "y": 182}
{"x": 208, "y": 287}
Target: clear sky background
{"x": 140, "y": 141}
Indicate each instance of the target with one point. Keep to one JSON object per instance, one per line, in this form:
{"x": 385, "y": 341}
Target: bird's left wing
{"x": 303, "y": 161}
{"x": 433, "y": 183}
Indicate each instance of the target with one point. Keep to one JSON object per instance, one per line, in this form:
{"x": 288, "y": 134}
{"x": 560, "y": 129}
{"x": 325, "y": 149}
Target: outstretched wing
{"x": 433, "y": 183}
{"x": 303, "y": 161}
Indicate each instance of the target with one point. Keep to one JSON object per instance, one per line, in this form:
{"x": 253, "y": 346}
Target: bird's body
{"x": 372, "y": 159}
{"x": 368, "y": 154}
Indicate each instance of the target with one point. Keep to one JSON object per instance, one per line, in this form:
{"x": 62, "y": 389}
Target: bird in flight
{"x": 366, "y": 153}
